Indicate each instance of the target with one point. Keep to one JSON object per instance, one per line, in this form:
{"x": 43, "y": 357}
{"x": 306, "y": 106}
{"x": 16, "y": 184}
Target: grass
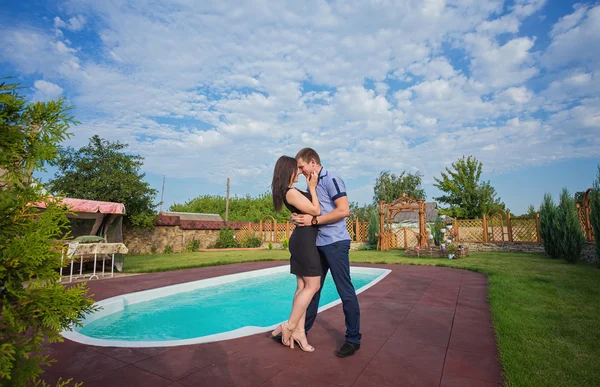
{"x": 546, "y": 312}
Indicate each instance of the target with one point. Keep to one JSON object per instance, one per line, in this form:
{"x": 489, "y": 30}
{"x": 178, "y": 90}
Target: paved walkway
{"x": 422, "y": 326}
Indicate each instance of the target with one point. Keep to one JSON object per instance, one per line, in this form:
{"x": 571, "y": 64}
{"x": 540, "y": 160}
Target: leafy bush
{"x": 35, "y": 307}
{"x": 192, "y": 246}
{"x": 451, "y": 249}
{"x": 549, "y": 227}
{"x": 168, "y": 249}
{"x": 570, "y": 230}
{"x": 365, "y": 247}
{"x": 153, "y": 250}
{"x": 373, "y": 229}
{"x": 251, "y": 242}
{"x": 226, "y": 239}
{"x": 270, "y": 246}
{"x": 285, "y": 244}
{"x": 595, "y": 214}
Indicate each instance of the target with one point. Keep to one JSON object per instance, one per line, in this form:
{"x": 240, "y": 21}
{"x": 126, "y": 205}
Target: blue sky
{"x": 213, "y": 89}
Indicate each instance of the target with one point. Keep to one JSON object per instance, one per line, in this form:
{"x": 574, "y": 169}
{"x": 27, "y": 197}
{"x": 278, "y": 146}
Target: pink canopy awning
{"x": 93, "y": 206}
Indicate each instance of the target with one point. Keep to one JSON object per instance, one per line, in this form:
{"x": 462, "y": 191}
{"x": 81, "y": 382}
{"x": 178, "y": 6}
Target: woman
{"x": 305, "y": 262}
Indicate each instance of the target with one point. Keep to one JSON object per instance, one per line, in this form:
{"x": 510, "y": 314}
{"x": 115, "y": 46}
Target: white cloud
{"x": 76, "y": 23}
{"x": 45, "y": 91}
{"x": 576, "y": 39}
{"x": 207, "y": 89}
{"x": 518, "y": 95}
{"x": 569, "y": 21}
{"x": 501, "y": 66}
{"x": 58, "y": 23}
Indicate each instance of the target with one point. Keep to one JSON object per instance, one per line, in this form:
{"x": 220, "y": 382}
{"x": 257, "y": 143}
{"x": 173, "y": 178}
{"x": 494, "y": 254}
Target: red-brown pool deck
{"x": 421, "y": 326}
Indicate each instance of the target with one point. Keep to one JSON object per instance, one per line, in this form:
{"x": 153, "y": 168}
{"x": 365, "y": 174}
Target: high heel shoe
{"x": 308, "y": 348}
{"x": 277, "y": 331}
{"x": 284, "y": 327}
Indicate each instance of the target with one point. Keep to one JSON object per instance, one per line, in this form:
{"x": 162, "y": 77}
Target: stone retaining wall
{"x": 504, "y": 246}
{"x": 588, "y": 254}
{"x": 143, "y": 241}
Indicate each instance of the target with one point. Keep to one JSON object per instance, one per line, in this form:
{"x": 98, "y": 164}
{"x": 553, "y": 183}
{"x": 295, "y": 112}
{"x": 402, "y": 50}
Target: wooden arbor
{"x": 387, "y": 212}
{"x": 584, "y": 213}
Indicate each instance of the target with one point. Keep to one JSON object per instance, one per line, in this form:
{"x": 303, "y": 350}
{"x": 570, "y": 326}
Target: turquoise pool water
{"x": 260, "y": 301}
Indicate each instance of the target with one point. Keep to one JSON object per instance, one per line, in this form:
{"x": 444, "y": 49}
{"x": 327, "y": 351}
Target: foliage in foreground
{"x": 35, "y": 307}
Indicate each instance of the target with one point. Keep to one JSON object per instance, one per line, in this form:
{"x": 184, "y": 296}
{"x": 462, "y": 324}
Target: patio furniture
{"x": 85, "y": 251}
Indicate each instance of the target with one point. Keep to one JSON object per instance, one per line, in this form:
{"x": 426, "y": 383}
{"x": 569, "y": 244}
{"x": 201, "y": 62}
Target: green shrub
{"x": 153, "y": 250}
{"x": 168, "y": 249}
{"x": 366, "y": 247}
{"x": 35, "y": 307}
{"x": 270, "y": 246}
{"x": 192, "y": 246}
{"x": 285, "y": 244}
{"x": 59, "y": 383}
{"x": 451, "y": 249}
{"x": 251, "y": 242}
{"x": 570, "y": 229}
{"x": 595, "y": 214}
{"x": 373, "y": 229}
{"x": 549, "y": 228}
{"x": 226, "y": 239}
{"x": 436, "y": 231}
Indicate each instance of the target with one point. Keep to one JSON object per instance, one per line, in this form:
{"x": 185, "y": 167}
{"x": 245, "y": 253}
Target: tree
{"x": 549, "y": 228}
{"x": 363, "y": 213}
{"x": 571, "y": 236}
{"x": 531, "y": 212}
{"x": 436, "y": 231}
{"x": 390, "y": 187}
{"x": 374, "y": 226}
{"x": 579, "y": 196}
{"x": 102, "y": 171}
{"x": 241, "y": 209}
{"x": 35, "y": 307}
{"x": 595, "y": 214}
{"x": 466, "y": 195}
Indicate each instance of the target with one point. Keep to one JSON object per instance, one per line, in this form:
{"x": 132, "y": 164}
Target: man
{"x": 333, "y": 242}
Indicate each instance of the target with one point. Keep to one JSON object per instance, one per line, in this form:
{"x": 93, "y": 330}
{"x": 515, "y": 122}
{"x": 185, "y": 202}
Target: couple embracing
{"x": 319, "y": 243}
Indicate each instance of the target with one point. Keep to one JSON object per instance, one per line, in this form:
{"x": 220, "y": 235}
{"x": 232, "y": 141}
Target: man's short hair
{"x": 306, "y": 154}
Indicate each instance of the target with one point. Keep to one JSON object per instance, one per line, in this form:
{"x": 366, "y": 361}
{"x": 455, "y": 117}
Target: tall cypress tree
{"x": 548, "y": 226}
{"x": 571, "y": 234}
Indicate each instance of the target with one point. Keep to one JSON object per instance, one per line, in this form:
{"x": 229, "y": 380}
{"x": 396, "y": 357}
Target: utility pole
{"x": 227, "y": 202}
{"x": 162, "y": 194}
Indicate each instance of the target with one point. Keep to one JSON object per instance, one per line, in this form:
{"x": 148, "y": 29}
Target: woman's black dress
{"x": 305, "y": 260}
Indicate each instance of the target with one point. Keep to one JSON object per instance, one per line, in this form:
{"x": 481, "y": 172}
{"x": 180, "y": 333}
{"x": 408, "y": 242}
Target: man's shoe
{"x": 347, "y": 349}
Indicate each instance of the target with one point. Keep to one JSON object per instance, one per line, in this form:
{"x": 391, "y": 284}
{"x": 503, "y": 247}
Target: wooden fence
{"x": 269, "y": 230}
{"x": 495, "y": 229}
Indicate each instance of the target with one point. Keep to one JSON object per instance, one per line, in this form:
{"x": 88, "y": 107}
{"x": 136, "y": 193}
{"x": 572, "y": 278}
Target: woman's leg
{"x": 301, "y": 301}
{"x": 299, "y": 287}
{"x": 311, "y": 286}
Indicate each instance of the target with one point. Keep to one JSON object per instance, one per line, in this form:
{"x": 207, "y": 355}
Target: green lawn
{"x": 546, "y": 313}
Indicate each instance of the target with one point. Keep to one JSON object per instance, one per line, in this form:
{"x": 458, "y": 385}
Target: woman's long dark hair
{"x": 285, "y": 168}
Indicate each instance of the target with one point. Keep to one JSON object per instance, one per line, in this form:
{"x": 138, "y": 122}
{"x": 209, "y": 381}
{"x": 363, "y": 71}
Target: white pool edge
{"x": 117, "y": 303}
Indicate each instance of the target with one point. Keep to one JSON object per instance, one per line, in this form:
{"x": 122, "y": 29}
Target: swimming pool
{"x": 207, "y": 310}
